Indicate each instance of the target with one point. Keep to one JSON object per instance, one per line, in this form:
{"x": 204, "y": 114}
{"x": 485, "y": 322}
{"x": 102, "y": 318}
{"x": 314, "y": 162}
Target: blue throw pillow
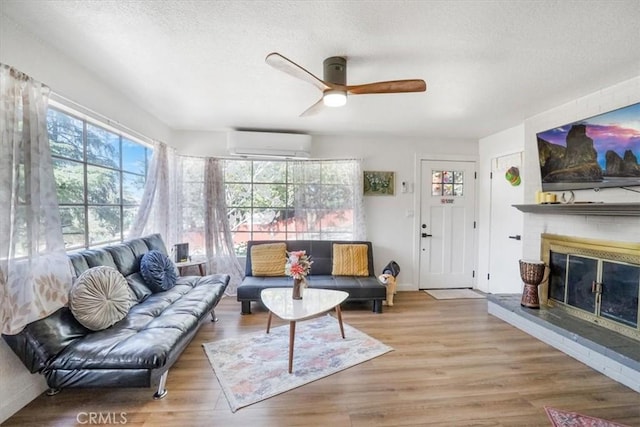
{"x": 158, "y": 271}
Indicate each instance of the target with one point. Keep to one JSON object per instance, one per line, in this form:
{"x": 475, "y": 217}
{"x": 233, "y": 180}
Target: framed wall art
{"x": 378, "y": 183}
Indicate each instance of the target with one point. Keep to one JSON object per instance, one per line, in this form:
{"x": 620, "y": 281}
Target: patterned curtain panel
{"x": 221, "y": 254}
{"x": 35, "y": 273}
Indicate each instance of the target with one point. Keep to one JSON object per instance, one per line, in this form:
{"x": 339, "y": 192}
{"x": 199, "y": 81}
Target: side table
{"x": 200, "y": 262}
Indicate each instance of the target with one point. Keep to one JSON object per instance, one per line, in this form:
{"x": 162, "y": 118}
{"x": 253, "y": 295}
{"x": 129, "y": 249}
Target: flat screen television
{"x": 597, "y": 152}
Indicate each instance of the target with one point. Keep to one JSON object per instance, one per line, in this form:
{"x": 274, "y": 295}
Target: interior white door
{"x": 447, "y": 222}
{"x": 506, "y": 227}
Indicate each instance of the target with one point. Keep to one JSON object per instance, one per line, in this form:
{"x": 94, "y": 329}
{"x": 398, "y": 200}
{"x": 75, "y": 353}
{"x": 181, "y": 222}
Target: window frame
{"x": 121, "y": 205}
{"x": 290, "y": 232}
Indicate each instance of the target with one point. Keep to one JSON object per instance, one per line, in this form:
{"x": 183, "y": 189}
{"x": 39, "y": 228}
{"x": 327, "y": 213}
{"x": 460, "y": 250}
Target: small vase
{"x": 298, "y": 285}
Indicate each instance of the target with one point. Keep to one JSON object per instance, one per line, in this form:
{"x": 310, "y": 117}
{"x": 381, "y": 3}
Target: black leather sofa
{"x": 360, "y": 288}
{"x": 136, "y": 351}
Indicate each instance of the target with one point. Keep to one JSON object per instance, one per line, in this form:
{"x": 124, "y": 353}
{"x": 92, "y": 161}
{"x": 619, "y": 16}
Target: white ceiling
{"x": 199, "y": 65}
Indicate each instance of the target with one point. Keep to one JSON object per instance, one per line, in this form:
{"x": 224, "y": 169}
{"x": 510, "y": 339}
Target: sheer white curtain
{"x": 158, "y": 212}
{"x": 221, "y": 254}
{"x": 35, "y": 274}
{"x": 357, "y": 181}
{"x": 184, "y": 201}
{"x": 328, "y": 199}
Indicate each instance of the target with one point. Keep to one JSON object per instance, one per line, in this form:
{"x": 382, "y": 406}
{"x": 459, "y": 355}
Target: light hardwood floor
{"x": 452, "y": 365}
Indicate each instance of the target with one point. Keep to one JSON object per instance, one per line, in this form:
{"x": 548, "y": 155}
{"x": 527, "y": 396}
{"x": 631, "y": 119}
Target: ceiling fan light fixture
{"x": 334, "y": 98}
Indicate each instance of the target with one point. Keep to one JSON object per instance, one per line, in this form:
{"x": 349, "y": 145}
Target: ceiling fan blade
{"x": 394, "y": 86}
{"x": 314, "y": 109}
{"x": 281, "y": 63}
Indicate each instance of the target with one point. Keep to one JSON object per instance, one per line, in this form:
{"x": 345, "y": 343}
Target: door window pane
{"x": 447, "y": 183}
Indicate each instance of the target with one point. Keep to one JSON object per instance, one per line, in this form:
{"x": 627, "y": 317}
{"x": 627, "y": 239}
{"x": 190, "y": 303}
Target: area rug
{"x": 454, "y": 293}
{"x": 560, "y": 418}
{"x": 254, "y": 367}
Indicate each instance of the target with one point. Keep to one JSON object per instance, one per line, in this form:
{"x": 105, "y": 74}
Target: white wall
{"x": 20, "y": 49}
{"x": 390, "y": 220}
{"x": 625, "y": 229}
{"x": 200, "y": 144}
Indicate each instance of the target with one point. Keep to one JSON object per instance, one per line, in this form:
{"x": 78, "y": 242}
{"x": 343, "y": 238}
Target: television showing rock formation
{"x": 601, "y": 151}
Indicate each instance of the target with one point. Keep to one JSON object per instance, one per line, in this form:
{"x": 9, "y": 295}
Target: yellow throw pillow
{"x": 350, "y": 260}
{"x": 268, "y": 259}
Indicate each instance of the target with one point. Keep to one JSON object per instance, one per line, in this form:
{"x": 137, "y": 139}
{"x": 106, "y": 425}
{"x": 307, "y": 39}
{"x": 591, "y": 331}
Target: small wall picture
{"x": 378, "y": 183}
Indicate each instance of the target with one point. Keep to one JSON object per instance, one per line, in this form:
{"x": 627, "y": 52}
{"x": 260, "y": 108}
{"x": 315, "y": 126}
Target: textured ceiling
{"x": 199, "y": 65}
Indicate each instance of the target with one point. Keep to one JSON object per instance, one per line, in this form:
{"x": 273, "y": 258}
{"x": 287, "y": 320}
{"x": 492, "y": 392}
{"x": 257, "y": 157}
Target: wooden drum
{"x": 531, "y": 273}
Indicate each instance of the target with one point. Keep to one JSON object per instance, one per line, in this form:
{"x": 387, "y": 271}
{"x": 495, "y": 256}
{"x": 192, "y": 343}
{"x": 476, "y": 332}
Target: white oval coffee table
{"x": 314, "y": 302}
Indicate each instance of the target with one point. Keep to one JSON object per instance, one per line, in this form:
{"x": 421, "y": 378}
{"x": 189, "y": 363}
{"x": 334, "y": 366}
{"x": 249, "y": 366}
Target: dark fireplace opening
{"x": 594, "y": 284}
{"x": 574, "y": 280}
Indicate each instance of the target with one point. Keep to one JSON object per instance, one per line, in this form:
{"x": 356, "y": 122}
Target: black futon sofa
{"x": 138, "y": 350}
{"x": 359, "y": 288}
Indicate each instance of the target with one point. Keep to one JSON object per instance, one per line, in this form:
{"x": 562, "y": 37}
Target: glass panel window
{"x": 105, "y": 224}
{"x": 269, "y": 172}
{"x": 69, "y": 176}
{"x": 134, "y": 157}
{"x": 447, "y": 183}
{"x": 132, "y": 188}
{"x": 103, "y": 185}
{"x": 73, "y": 226}
{"x": 103, "y": 147}
{"x": 289, "y": 200}
{"x": 100, "y": 178}
{"x": 66, "y": 135}
{"x": 238, "y": 171}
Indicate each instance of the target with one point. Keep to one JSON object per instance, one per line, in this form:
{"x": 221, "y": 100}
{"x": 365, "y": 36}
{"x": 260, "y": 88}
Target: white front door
{"x": 447, "y": 222}
{"x": 505, "y": 246}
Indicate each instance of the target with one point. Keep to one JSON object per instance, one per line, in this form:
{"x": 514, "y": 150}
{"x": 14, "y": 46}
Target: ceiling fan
{"x": 334, "y": 85}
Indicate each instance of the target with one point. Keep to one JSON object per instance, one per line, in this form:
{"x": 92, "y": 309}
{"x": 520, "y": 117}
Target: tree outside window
{"x": 100, "y": 178}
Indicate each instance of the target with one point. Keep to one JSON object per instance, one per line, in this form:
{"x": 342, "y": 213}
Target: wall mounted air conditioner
{"x": 269, "y": 144}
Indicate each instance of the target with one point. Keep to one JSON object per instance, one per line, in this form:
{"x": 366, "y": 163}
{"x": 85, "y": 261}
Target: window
{"x": 100, "y": 178}
{"x": 289, "y": 200}
{"x": 447, "y": 183}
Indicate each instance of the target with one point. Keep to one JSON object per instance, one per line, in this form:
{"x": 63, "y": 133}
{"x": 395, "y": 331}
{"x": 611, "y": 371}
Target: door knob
{"x": 516, "y": 237}
{"x": 426, "y": 235}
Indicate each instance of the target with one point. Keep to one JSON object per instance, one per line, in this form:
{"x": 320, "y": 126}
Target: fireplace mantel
{"x": 601, "y": 209}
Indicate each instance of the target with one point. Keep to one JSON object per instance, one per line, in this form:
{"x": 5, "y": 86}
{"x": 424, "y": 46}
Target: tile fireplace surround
{"x": 608, "y": 352}
{"x": 581, "y": 336}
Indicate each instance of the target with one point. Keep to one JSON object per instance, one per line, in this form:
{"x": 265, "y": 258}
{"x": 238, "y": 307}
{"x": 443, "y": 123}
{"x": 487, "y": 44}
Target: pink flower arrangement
{"x": 298, "y": 264}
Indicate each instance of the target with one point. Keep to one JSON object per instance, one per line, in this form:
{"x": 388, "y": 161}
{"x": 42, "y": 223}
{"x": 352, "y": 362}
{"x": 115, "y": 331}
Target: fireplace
{"x": 595, "y": 280}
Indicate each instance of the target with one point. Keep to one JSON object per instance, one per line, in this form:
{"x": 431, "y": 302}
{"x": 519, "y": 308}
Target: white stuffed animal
{"x": 390, "y": 282}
